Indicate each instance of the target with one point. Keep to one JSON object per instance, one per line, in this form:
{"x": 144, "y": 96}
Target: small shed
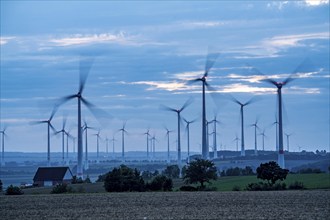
{"x": 50, "y": 176}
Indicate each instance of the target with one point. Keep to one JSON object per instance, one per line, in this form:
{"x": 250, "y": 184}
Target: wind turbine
{"x": 279, "y": 86}
{"x": 107, "y": 145}
{"x": 168, "y": 144}
{"x": 236, "y": 140}
{"x": 215, "y": 122}
{"x": 255, "y": 125}
{"x": 84, "y": 68}
{"x": 85, "y": 128}
{"x": 49, "y": 125}
{"x": 123, "y": 131}
{"x": 147, "y": 134}
{"x": 263, "y": 139}
{"x": 97, "y": 146}
{"x": 3, "y": 132}
{"x": 63, "y": 133}
{"x": 68, "y": 135}
{"x": 242, "y": 105}
{"x": 287, "y": 140}
{"x": 210, "y": 60}
{"x": 153, "y": 142}
{"x": 276, "y": 127}
{"x": 178, "y": 111}
{"x": 188, "y": 135}
{"x": 113, "y": 146}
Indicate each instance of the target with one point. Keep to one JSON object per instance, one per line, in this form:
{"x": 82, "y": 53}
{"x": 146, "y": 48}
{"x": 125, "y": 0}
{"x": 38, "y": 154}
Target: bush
{"x": 76, "y": 180}
{"x": 172, "y": 171}
{"x": 310, "y": 170}
{"x": 261, "y": 186}
{"x": 61, "y": 188}
{"x": 124, "y": 179}
{"x": 236, "y": 188}
{"x": 297, "y": 185}
{"x": 188, "y": 188}
{"x": 159, "y": 183}
{"x": 13, "y": 190}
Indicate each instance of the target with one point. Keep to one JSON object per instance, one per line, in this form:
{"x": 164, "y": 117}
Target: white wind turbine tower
{"x": 276, "y": 135}
{"x": 242, "y": 105}
{"x": 210, "y": 60}
{"x": 255, "y": 125}
{"x": 215, "y": 122}
{"x": 263, "y": 139}
{"x": 178, "y": 111}
{"x": 153, "y": 144}
{"x": 168, "y": 144}
{"x": 63, "y": 133}
{"x": 84, "y": 69}
{"x": 3, "y": 132}
{"x": 147, "y": 134}
{"x": 85, "y": 128}
{"x": 97, "y": 146}
{"x": 68, "y": 135}
{"x": 113, "y": 146}
{"x": 188, "y": 135}
{"x": 288, "y": 140}
{"x": 107, "y": 146}
{"x": 236, "y": 140}
{"x": 49, "y": 125}
{"x": 123, "y": 131}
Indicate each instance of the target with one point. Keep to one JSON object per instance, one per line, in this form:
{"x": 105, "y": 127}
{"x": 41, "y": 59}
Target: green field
{"x": 311, "y": 181}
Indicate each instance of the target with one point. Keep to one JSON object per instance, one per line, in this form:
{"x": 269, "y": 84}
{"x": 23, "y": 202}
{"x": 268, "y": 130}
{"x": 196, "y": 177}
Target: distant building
{"x": 50, "y": 176}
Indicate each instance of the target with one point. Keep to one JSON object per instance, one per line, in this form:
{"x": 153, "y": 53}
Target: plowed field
{"x": 170, "y": 205}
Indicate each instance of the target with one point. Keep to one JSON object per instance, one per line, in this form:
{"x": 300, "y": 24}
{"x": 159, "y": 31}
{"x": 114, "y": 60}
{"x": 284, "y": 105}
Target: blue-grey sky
{"x": 145, "y": 52}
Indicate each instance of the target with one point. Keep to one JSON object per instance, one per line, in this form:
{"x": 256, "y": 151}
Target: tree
{"x": 172, "y": 171}
{"x": 0, "y": 186}
{"x": 200, "y": 171}
{"x": 159, "y": 183}
{"x": 271, "y": 172}
{"x": 124, "y": 179}
{"x": 14, "y": 190}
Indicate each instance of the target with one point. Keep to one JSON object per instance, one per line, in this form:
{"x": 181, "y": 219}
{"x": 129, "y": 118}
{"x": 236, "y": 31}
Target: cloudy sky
{"x": 144, "y": 52}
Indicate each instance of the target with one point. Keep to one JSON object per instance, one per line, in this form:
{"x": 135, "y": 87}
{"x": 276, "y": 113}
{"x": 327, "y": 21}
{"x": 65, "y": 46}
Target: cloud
{"x": 87, "y": 39}
{"x": 164, "y": 85}
{"x": 79, "y": 39}
{"x": 316, "y": 2}
{"x": 293, "y": 40}
{"x": 5, "y": 40}
{"x": 201, "y": 24}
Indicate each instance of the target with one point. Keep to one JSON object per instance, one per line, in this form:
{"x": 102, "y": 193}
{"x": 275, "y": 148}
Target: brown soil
{"x": 170, "y": 205}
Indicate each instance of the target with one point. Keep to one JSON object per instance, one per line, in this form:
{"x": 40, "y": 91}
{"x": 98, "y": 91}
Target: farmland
{"x": 170, "y": 205}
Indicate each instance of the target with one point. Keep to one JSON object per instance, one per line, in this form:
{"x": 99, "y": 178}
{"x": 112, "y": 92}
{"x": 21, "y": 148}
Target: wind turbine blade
{"x": 305, "y": 66}
{"x": 37, "y": 122}
{"x": 252, "y": 100}
{"x": 186, "y": 104}
{"x": 53, "y": 112}
{"x": 210, "y": 60}
{"x": 64, "y": 99}
{"x": 271, "y": 81}
{"x": 166, "y": 108}
{"x": 97, "y": 112}
{"x": 289, "y": 79}
{"x": 233, "y": 99}
{"x": 84, "y": 68}
{"x": 189, "y": 82}
{"x": 52, "y": 127}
